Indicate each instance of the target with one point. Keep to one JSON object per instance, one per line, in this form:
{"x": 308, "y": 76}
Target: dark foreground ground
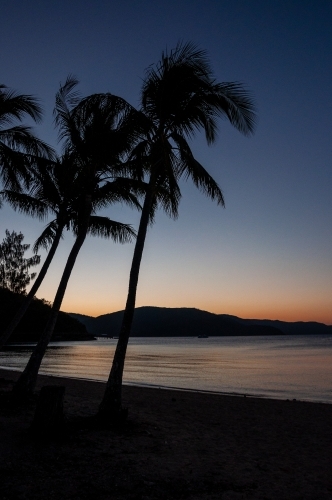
{"x": 175, "y": 445}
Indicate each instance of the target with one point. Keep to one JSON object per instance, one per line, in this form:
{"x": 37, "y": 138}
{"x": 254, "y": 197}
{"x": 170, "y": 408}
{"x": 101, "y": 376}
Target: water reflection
{"x": 294, "y": 367}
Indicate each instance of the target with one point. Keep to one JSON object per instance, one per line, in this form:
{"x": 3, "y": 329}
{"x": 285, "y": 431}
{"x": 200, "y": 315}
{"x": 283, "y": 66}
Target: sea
{"x": 278, "y": 367}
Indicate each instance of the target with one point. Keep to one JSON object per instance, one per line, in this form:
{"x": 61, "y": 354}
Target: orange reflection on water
{"x": 279, "y": 367}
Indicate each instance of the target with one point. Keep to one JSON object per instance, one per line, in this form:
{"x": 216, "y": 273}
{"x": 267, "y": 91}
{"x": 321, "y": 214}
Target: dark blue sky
{"x": 269, "y": 253}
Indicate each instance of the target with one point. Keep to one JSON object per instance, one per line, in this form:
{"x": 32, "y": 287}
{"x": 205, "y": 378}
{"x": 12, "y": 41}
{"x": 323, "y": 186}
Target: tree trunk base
{"x": 49, "y": 418}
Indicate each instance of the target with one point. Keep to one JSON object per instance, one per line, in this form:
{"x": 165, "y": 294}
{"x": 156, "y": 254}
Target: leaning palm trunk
{"x": 179, "y": 97}
{"x": 26, "y": 383}
{"x": 110, "y": 406}
{"x": 28, "y": 299}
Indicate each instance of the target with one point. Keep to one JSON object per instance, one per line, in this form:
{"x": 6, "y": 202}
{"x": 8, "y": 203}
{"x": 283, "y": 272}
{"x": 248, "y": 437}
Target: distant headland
{"x": 191, "y": 322}
{"x": 148, "y": 322}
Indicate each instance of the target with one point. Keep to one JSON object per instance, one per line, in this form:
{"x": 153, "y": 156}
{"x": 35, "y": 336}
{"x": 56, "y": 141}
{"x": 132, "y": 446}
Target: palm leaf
{"x": 27, "y": 204}
{"x": 190, "y": 167}
{"x": 14, "y": 105}
{"x": 235, "y": 102}
{"x": 107, "y": 228}
{"x": 121, "y": 190}
{"x": 65, "y": 100}
{"x": 46, "y": 238}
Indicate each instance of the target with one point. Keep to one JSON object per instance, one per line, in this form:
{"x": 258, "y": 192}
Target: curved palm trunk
{"x": 28, "y": 299}
{"x": 110, "y": 405}
{"x": 26, "y": 383}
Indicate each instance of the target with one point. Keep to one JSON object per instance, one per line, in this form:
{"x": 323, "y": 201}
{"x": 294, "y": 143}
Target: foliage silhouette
{"x": 32, "y": 325}
{"x": 55, "y": 190}
{"x": 95, "y": 136}
{"x": 19, "y": 148}
{"x": 14, "y": 267}
{"x": 179, "y": 97}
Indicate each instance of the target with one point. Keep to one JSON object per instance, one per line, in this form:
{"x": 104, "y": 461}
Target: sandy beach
{"x": 174, "y": 445}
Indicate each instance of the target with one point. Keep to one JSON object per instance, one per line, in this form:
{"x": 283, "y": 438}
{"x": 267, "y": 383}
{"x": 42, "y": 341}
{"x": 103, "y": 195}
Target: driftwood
{"x": 49, "y": 417}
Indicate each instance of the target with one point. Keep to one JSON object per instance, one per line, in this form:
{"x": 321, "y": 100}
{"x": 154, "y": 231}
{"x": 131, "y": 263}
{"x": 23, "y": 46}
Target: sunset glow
{"x": 268, "y": 254}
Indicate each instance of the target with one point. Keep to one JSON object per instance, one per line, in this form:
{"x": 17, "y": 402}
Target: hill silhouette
{"x": 288, "y": 327}
{"x": 173, "y": 322}
{"x": 186, "y": 322}
{"x": 32, "y": 324}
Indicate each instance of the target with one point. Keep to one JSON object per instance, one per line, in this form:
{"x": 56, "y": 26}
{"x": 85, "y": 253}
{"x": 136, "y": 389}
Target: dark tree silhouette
{"x": 54, "y": 191}
{"x": 179, "y": 97}
{"x": 95, "y": 135}
{"x": 14, "y": 267}
{"x": 19, "y": 148}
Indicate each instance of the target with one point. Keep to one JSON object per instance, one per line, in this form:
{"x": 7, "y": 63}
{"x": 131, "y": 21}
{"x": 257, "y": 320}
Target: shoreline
{"x": 175, "y": 444}
{"x": 176, "y": 389}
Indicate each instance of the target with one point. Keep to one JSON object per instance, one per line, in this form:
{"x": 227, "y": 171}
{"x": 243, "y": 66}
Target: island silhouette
{"x": 149, "y": 321}
{"x": 190, "y": 322}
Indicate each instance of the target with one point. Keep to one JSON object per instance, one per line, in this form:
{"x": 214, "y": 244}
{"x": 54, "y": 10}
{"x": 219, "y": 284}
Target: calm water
{"x": 278, "y": 367}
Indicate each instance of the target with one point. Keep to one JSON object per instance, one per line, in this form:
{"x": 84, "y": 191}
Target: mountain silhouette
{"x": 187, "y": 322}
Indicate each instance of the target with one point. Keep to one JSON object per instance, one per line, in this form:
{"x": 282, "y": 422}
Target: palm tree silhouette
{"x": 54, "y": 191}
{"x": 19, "y": 148}
{"x": 95, "y": 134}
{"x": 179, "y": 97}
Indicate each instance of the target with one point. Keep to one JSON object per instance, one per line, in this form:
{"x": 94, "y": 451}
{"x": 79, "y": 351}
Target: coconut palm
{"x": 179, "y": 97}
{"x": 96, "y": 135}
{"x": 54, "y": 191}
{"x": 19, "y": 148}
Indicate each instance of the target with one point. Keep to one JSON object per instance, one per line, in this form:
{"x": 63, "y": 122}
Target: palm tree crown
{"x": 180, "y": 97}
{"x": 19, "y": 148}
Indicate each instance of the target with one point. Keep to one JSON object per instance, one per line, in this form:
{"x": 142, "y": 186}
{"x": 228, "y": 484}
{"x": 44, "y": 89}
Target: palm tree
{"x": 19, "y": 148}
{"x": 54, "y": 191}
{"x": 95, "y": 133}
{"x": 179, "y": 97}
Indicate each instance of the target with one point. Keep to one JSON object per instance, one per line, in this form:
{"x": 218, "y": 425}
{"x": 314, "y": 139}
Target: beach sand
{"x": 175, "y": 445}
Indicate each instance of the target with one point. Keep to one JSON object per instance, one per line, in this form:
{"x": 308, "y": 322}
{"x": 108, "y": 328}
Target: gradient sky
{"x": 269, "y": 253}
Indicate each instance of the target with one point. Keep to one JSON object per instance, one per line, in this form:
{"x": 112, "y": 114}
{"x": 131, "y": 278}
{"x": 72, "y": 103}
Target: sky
{"x": 268, "y": 254}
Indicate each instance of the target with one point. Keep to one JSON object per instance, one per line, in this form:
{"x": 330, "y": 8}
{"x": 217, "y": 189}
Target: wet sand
{"x": 175, "y": 445}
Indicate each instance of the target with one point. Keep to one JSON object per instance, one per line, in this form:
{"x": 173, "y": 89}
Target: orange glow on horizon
{"x": 277, "y": 313}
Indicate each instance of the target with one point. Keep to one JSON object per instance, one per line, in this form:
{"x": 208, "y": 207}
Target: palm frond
{"x": 46, "y": 238}
{"x": 19, "y": 147}
{"x": 16, "y": 106}
{"x": 65, "y": 100}
{"x": 168, "y": 196}
{"x": 21, "y": 139}
{"x": 235, "y": 102}
{"x": 121, "y": 190}
{"x": 26, "y": 204}
{"x": 138, "y": 163}
{"x": 107, "y": 228}
{"x": 191, "y": 168}
{"x": 108, "y": 127}
{"x": 14, "y": 168}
